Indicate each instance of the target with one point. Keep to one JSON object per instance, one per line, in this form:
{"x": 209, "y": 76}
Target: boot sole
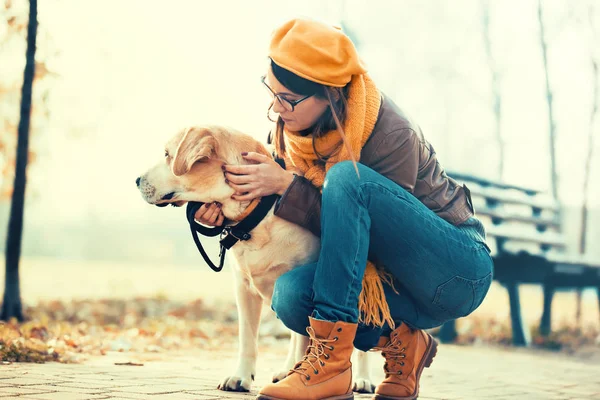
{"x": 349, "y": 396}
{"x": 430, "y": 353}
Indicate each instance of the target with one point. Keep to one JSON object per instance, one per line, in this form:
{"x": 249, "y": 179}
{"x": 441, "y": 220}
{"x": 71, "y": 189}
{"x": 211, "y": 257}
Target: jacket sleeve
{"x": 301, "y": 204}
{"x": 397, "y": 157}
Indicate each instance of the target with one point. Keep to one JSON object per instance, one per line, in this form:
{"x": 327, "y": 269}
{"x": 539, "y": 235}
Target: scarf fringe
{"x": 372, "y": 304}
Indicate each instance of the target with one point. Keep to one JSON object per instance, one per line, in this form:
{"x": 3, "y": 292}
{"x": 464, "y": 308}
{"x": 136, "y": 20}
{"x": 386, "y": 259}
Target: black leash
{"x": 230, "y": 234}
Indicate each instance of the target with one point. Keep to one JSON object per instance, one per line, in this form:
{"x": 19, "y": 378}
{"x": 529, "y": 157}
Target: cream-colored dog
{"x": 191, "y": 171}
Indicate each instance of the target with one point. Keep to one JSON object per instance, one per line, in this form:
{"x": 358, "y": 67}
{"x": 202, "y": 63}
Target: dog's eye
{"x": 166, "y": 154}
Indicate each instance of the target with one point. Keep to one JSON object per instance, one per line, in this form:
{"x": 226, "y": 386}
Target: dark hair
{"x": 297, "y": 84}
{"x": 334, "y": 117}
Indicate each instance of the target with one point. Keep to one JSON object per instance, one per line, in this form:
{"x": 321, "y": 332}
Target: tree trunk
{"x": 588, "y": 160}
{"x": 590, "y": 143}
{"x": 11, "y": 306}
{"x": 549, "y": 99}
{"x": 497, "y": 101}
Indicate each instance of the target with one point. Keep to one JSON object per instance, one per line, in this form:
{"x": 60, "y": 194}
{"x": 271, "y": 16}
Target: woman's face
{"x": 305, "y": 114}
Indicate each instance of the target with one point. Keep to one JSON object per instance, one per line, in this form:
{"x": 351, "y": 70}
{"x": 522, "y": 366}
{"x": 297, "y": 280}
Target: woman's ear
{"x": 196, "y": 144}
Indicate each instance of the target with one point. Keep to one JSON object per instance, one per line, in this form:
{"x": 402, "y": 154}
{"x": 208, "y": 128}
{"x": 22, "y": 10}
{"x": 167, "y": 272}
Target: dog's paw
{"x": 236, "y": 384}
{"x": 363, "y": 386}
{"x": 280, "y": 375}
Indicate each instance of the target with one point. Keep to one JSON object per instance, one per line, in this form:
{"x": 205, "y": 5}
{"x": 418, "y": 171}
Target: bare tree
{"x": 590, "y": 147}
{"x": 496, "y": 93}
{"x": 590, "y": 143}
{"x": 11, "y": 306}
{"x": 550, "y": 102}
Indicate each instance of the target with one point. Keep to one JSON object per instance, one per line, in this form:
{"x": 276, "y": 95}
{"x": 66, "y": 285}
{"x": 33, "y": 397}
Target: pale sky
{"x": 133, "y": 72}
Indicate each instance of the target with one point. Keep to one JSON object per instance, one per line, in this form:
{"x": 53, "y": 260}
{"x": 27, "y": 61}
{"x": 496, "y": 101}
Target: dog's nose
{"x": 137, "y": 181}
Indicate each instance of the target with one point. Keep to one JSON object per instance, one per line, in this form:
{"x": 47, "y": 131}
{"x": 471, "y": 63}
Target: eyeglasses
{"x": 288, "y": 105}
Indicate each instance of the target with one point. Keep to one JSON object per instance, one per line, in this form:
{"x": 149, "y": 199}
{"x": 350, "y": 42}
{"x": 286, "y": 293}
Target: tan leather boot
{"x": 325, "y": 371}
{"x": 407, "y": 351}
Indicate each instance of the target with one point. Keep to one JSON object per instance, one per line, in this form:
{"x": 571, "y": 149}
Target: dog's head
{"x": 191, "y": 168}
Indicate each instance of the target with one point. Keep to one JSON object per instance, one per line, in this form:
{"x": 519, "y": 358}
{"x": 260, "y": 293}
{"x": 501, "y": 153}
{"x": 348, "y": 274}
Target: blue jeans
{"x": 440, "y": 272}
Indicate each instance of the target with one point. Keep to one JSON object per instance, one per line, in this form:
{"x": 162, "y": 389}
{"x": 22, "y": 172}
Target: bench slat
{"x": 548, "y": 238}
{"x": 490, "y": 212}
{"x": 487, "y": 182}
{"x": 506, "y": 198}
{"x": 574, "y": 260}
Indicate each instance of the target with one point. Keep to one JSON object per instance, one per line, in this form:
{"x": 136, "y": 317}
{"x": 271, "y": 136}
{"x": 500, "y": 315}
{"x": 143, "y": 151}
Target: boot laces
{"x": 315, "y": 350}
{"x": 394, "y": 356}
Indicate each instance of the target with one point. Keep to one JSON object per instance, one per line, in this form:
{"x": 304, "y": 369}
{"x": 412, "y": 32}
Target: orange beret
{"x": 315, "y": 51}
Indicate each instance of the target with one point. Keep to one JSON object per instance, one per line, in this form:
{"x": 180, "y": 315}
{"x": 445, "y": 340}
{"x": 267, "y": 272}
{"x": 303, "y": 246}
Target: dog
{"x": 191, "y": 171}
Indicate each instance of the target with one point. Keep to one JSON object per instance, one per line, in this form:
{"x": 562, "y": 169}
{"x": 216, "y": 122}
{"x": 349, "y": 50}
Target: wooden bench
{"x": 524, "y": 232}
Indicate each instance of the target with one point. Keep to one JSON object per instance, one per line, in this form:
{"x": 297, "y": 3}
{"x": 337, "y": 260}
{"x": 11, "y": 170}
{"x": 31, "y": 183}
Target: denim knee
{"x": 341, "y": 174}
{"x": 343, "y": 178}
{"x": 292, "y": 298}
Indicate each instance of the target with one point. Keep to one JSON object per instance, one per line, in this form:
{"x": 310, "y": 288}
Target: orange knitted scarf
{"x": 364, "y": 101}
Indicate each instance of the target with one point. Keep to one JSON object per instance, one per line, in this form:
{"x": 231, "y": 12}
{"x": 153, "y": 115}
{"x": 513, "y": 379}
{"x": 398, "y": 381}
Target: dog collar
{"x": 230, "y": 234}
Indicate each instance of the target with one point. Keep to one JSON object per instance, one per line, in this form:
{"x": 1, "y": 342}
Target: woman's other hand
{"x": 210, "y": 214}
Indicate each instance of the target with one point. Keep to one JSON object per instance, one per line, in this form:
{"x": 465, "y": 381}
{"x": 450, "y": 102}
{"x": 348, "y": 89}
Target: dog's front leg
{"x": 301, "y": 346}
{"x": 249, "y": 304}
{"x": 290, "y": 360}
{"x": 363, "y": 382}
{"x": 297, "y": 349}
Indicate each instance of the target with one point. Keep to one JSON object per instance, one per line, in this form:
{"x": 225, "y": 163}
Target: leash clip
{"x": 224, "y": 234}
{"x": 229, "y": 231}
{"x": 243, "y": 236}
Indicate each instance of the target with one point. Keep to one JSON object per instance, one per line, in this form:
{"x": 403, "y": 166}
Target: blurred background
{"x": 115, "y": 79}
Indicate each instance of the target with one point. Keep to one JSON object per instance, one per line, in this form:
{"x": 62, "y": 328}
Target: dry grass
{"x": 72, "y": 331}
{"x": 77, "y": 310}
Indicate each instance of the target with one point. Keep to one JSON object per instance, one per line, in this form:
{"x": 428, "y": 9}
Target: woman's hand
{"x": 264, "y": 178}
{"x": 210, "y": 214}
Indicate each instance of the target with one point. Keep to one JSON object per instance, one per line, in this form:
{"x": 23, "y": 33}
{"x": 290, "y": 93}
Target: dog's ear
{"x": 195, "y": 145}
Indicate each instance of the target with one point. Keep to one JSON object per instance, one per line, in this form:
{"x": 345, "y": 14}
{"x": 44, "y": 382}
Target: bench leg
{"x": 578, "y": 311}
{"x": 448, "y": 332}
{"x": 521, "y": 336}
{"x": 546, "y": 322}
{"x": 598, "y": 292}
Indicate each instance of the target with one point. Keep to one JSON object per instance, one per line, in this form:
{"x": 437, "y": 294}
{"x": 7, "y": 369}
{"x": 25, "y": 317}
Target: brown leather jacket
{"x": 397, "y": 150}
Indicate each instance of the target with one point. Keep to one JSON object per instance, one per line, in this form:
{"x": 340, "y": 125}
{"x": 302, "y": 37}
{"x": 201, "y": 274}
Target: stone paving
{"x": 457, "y": 373}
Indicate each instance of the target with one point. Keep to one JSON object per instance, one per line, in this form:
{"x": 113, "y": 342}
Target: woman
{"x": 374, "y": 192}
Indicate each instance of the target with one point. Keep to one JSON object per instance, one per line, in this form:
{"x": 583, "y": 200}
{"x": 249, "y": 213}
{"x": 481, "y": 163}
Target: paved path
{"x": 457, "y": 373}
